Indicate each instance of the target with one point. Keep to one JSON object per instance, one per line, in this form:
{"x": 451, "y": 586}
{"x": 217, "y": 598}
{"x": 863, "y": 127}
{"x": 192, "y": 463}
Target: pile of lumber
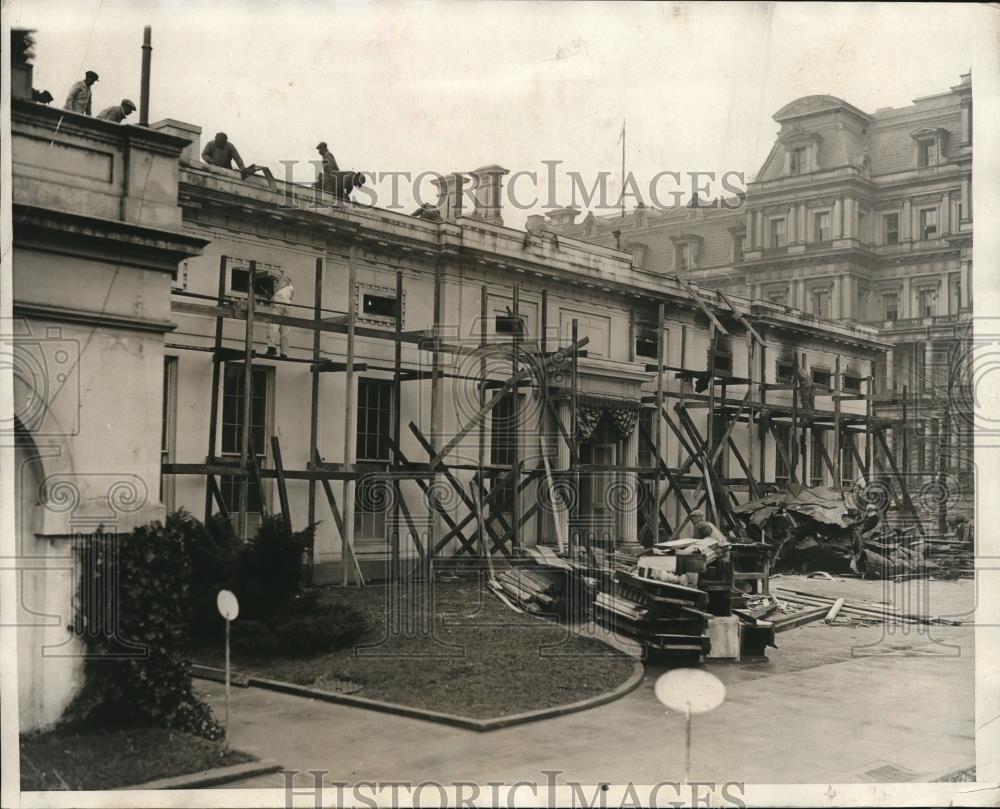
{"x": 533, "y": 591}
{"x": 953, "y": 558}
{"x": 665, "y": 617}
{"x": 858, "y": 610}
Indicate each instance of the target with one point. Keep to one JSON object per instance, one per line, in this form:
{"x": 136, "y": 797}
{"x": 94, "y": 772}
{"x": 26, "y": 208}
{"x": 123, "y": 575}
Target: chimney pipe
{"x": 147, "y": 56}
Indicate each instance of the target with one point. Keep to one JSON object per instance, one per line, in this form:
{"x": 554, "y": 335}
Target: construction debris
{"x": 810, "y": 528}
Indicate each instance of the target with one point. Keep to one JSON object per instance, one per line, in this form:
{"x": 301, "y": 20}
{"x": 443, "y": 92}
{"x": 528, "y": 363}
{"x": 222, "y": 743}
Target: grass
{"x": 482, "y": 661}
{"x": 116, "y": 758}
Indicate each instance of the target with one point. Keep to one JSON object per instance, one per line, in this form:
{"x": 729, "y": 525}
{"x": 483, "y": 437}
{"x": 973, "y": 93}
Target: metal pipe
{"x": 147, "y": 57}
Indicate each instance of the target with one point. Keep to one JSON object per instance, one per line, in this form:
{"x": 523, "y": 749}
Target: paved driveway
{"x": 833, "y": 704}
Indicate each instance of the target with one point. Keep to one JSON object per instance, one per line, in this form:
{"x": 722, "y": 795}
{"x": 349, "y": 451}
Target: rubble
{"x": 819, "y": 528}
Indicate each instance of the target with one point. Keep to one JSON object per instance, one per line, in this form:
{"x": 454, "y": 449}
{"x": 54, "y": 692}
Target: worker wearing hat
{"x": 329, "y": 161}
{"x": 79, "y": 98}
{"x": 118, "y": 112}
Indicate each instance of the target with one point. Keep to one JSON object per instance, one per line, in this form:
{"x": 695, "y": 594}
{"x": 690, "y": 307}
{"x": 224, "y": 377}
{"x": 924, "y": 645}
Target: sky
{"x": 450, "y": 85}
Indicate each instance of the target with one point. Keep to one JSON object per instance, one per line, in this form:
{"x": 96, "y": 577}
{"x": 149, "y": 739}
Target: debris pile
{"x": 819, "y": 528}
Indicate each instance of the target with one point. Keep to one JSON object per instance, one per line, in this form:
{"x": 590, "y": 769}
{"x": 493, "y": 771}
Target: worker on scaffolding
{"x": 804, "y": 385}
{"x": 282, "y": 292}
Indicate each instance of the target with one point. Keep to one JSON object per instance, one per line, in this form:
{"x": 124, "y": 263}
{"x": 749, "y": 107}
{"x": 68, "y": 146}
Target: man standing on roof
{"x": 281, "y": 296}
{"x": 79, "y": 98}
{"x": 220, "y": 152}
{"x": 118, "y": 112}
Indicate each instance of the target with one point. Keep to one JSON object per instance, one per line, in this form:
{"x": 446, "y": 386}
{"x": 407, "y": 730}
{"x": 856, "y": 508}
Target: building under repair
{"x": 424, "y": 390}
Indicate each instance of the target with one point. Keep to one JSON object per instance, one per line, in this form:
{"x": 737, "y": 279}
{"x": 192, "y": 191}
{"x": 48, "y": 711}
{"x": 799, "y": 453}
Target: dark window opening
{"x": 821, "y": 378}
{"x": 371, "y": 496}
{"x": 379, "y": 305}
{"x": 239, "y": 281}
{"x": 646, "y": 344}
{"x": 785, "y": 372}
{"x": 852, "y": 383}
{"x": 723, "y": 362}
{"x": 503, "y": 440}
{"x": 509, "y": 324}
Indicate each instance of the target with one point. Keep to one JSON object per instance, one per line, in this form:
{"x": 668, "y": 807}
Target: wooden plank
{"x": 279, "y": 468}
{"x": 314, "y": 413}
{"x": 739, "y": 316}
{"x": 213, "y": 412}
{"x": 245, "y": 451}
{"x": 701, "y": 304}
{"x": 488, "y": 406}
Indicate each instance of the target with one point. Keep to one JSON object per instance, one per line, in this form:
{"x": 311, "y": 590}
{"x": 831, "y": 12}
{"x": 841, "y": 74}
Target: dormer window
{"x": 687, "y": 248}
{"x": 927, "y": 154}
{"x": 930, "y": 145}
{"x": 798, "y": 162}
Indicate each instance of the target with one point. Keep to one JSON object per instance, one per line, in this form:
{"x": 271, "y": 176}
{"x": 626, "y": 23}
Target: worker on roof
{"x": 41, "y": 96}
{"x": 329, "y": 161}
{"x": 281, "y": 295}
{"x": 429, "y": 212}
{"x": 79, "y": 98}
{"x": 220, "y": 152}
{"x": 118, "y": 112}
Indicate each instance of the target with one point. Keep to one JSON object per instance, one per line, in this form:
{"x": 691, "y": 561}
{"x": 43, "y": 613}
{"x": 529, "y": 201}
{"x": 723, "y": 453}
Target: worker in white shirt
{"x": 281, "y": 296}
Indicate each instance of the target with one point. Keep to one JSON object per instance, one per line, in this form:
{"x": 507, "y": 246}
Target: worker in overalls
{"x": 281, "y": 296}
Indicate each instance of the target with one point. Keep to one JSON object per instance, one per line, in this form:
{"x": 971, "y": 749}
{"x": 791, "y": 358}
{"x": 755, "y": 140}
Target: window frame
{"x": 886, "y": 230}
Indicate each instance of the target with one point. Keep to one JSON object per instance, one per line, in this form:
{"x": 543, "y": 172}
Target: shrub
{"x": 269, "y": 569}
{"x": 134, "y": 621}
{"x": 304, "y": 628}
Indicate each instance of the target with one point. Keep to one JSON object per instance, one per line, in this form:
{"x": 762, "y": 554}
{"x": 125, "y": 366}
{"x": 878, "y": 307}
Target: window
{"x": 955, "y": 295}
{"x": 928, "y": 223}
{"x": 778, "y": 232}
{"x": 374, "y": 305}
{"x": 508, "y": 324}
{"x": 503, "y": 441}
{"x": 817, "y": 469}
{"x": 927, "y": 153}
{"x": 821, "y": 302}
{"x": 862, "y": 223}
{"x": 645, "y": 428}
{"x": 232, "y": 430}
{"x": 682, "y": 258}
{"x": 890, "y": 228}
{"x": 852, "y": 383}
{"x": 372, "y": 431}
{"x": 821, "y": 378}
{"x": 847, "y": 445}
{"x": 646, "y": 343}
{"x": 927, "y": 302}
{"x": 738, "y": 243}
{"x": 784, "y": 372}
{"x": 168, "y": 429}
{"x": 798, "y": 161}
{"x": 783, "y": 434}
{"x": 821, "y": 222}
{"x": 239, "y": 281}
{"x": 890, "y": 305}
{"x": 723, "y": 361}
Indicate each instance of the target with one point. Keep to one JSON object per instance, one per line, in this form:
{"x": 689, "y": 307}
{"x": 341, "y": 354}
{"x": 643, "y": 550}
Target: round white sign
{"x": 228, "y": 606}
{"x": 691, "y": 690}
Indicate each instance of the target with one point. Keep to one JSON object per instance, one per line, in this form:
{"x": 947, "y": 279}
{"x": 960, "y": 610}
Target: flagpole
{"x": 623, "y": 168}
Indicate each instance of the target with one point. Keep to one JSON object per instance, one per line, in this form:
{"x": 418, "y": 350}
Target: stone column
{"x": 906, "y": 222}
{"x": 905, "y": 305}
{"x": 850, "y": 218}
{"x": 751, "y": 242}
{"x": 628, "y": 520}
{"x": 836, "y": 306}
{"x": 835, "y": 225}
{"x": 792, "y": 224}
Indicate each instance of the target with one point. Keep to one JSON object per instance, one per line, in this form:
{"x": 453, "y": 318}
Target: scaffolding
{"x": 697, "y": 483}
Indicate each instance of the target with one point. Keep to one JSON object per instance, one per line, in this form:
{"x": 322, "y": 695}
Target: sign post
{"x": 690, "y": 691}
{"x": 229, "y": 608}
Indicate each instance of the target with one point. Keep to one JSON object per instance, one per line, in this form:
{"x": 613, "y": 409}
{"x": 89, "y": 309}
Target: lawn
{"x": 118, "y": 758}
{"x": 483, "y": 660}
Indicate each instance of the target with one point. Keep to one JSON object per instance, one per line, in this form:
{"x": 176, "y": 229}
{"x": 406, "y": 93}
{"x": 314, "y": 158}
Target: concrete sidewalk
{"x": 833, "y": 704}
